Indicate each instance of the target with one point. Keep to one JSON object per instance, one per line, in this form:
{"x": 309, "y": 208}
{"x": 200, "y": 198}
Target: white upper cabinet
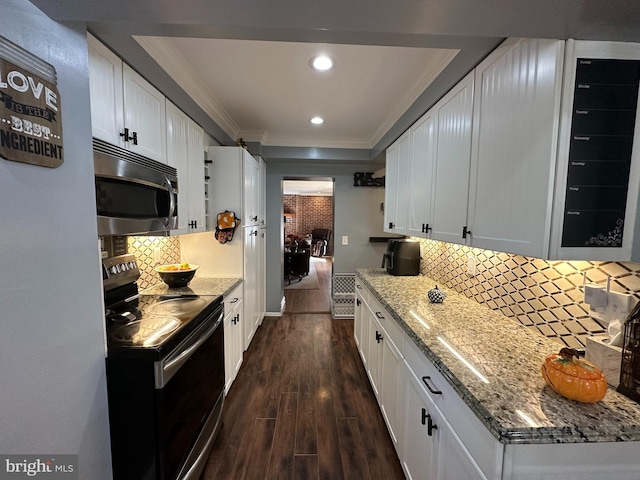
{"x": 515, "y": 130}
{"x": 251, "y": 191}
{"x": 452, "y": 162}
{"x": 185, "y": 152}
{"x": 396, "y": 193}
{"x": 598, "y": 171}
{"x": 126, "y": 110}
{"x": 421, "y": 165}
{"x": 144, "y": 116}
{"x": 105, "y": 83}
{"x": 262, "y": 188}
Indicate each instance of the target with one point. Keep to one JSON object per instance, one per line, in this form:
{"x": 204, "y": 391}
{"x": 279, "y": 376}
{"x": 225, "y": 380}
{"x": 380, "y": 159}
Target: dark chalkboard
{"x": 602, "y": 126}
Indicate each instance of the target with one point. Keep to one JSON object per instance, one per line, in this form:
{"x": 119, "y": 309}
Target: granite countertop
{"x": 515, "y": 405}
{"x": 197, "y": 286}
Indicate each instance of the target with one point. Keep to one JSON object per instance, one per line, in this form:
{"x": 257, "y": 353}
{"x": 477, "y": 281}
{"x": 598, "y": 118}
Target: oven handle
{"x": 165, "y": 371}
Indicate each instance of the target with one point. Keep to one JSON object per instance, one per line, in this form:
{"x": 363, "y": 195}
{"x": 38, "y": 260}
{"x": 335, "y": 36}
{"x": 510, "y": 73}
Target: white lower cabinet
{"x": 431, "y": 447}
{"x": 435, "y": 434}
{"x": 360, "y": 320}
{"x": 233, "y": 336}
{"x": 382, "y": 358}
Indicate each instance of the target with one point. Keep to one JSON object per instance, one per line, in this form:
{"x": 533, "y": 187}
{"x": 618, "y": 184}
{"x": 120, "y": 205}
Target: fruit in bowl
{"x": 177, "y": 274}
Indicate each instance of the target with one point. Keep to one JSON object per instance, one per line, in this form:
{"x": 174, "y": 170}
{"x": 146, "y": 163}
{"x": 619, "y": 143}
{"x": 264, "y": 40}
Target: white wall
{"x": 52, "y": 374}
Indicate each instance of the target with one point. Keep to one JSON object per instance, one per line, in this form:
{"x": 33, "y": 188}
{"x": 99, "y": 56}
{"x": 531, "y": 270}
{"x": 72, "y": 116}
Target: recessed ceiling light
{"x": 317, "y": 120}
{"x": 322, "y": 63}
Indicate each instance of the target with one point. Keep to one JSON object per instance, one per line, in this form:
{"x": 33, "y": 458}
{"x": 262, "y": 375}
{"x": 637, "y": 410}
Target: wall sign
{"x": 30, "y": 112}
{"x": 603, "y": 121}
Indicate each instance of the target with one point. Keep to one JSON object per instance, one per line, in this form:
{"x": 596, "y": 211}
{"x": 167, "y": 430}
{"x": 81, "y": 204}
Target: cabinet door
{"x": 453, "y": 155}
{"x": 390, "y": 187}
{"x": 396, "y": 193}
{"x": 364, "y": 333}
{"x": 515, "y": 132}
{"x": 250, "y": 194}
{"x": 261, "y": 282}
{"x": 419, "y": 455}
{"x": 249, "y": 282}
{"x": 195, "y": 194}
{"x": 228, "y": 351}
{"x": 177, "y": 157}
{"x": 374, "y": 359}
{"x": 233, "y": 336}
{"x": 144, "y": 116}
{"x": 454, "y": 461}
{"x": 391, "y": 367}
{"x": 358, "y": 319}
{"x": 237, "y": 339}
{"x": 105, "y": 82}
{"x": 420, "y": 181}
{"x": 262, "y": 188}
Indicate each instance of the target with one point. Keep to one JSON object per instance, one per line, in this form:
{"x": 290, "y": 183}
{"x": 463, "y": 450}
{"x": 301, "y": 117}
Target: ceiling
{"x": 265, "y": 91}
{"x": 240, "y": 67}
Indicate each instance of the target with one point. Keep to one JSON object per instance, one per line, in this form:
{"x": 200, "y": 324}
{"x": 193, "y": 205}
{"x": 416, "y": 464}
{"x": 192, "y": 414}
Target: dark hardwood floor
{"x": 301, "y": 406}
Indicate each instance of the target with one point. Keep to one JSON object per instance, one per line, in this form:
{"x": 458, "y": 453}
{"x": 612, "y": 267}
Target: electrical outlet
{"x": 471, "y": 265}
{"x": 619, "y": 306}
{"x": 345, "y": 240}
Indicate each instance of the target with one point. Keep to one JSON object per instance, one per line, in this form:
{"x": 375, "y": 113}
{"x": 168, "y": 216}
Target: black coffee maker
{"x": 402, "y": 257}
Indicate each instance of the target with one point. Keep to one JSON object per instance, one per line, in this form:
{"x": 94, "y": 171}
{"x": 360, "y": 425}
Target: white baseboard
{"x": 277, "y": 314}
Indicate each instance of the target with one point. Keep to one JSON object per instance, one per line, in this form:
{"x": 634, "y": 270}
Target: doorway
{"x": 308, "y": 243}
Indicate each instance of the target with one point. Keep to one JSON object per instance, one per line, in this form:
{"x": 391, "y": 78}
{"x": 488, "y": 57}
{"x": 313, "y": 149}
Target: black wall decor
{"x": 603, "y": 122}
{"x": 365, "y": 179}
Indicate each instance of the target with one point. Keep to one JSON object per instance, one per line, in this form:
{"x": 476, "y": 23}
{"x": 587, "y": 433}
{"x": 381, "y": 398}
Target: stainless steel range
{"x": 165, "y": 376}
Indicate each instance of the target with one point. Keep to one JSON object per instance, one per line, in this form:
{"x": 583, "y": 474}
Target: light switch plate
{"x": 345, "y": 240}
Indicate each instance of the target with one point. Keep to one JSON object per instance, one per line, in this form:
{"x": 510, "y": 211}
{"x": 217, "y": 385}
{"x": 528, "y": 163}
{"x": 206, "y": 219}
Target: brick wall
{"x": 310, "y": 212}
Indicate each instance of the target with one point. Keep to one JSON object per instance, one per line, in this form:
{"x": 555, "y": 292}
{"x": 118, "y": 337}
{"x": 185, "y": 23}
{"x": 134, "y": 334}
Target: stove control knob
{"x": 123, "y": 267}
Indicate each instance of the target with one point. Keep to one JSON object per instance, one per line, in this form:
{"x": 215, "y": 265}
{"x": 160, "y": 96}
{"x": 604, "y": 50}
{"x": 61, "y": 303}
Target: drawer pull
{"x": 380, "y": 315}
{"x": 359, "y": 287}
{"x": 430, "y": 426}
{"x": 431, "y": 389}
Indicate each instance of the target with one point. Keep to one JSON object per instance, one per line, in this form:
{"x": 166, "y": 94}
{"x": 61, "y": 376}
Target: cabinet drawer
{"x": 232, "y": 299}
{"x": 388, "y": 323}
{"x": 362, "y": 291}
{"x": 483, "y": 447}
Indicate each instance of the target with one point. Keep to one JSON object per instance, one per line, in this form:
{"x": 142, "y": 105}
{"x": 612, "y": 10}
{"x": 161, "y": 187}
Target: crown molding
{"x": 171, "y": 62}
{"x": 410, "y": 99}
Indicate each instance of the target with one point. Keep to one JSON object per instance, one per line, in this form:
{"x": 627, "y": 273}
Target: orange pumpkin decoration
{"x": 573, "y": 377}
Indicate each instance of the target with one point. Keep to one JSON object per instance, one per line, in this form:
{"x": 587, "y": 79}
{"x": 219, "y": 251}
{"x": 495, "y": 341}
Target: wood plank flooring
{"x": 302, "y": 407}
{"x": 312, "y": 301}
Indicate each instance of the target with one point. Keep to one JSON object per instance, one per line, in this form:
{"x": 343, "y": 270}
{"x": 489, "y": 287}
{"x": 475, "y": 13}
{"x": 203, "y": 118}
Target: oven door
{"x": 189, "y": 395}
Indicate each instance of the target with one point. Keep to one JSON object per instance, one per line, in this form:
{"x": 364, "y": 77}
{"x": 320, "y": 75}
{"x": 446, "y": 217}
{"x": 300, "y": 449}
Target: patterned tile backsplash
{"x": 149, "y": 249}
{"x": 542, "y": 295}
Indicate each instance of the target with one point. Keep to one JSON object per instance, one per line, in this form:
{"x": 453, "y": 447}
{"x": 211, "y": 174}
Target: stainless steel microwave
{"x": 134, "y": 194}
